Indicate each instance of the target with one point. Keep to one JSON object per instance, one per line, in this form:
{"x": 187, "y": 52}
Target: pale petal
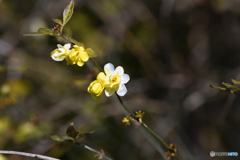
{"x": 57, "y": 56}
{"x": 67, "y": 46}
{"x": 101, "y": 77}
{"x": 59, "y": 46}
{"x": 119, "y": 70}
{"x": 125, "y": 78}
{"x": 109, "y": 69}
{"x": 62, "y": 50}
{"x": 122, "y": 90}
{"x": 109, "y": 92}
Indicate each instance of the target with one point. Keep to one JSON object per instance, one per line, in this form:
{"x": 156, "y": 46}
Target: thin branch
{"x": 93, "y": 150}
{"x": 96, "y": 65}
{"x": 28, "y": 155}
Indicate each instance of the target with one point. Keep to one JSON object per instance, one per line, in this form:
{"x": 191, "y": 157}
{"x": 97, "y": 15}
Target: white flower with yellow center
{"x": 60, "y": 53}
{"x": 116, "y": 80}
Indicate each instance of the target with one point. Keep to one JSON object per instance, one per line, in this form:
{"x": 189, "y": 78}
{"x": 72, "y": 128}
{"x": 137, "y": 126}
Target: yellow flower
{"x": 97, "y": 86}
{"x": 169, "y": 154}
{"x": 77, "y": 55}
{"x": 116, "y": 80}
{"x": 173, "y": 147}
{"x": 60, "y": 53}
{"x": 172, "y": 151}
{"x": 127, "y": 120}
{"x": 139, "y": 115}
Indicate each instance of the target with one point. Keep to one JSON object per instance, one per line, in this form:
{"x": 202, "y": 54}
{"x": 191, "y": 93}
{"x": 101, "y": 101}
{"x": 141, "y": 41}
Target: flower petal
{"x": 57, "y": 55}
{"x": 84, "y": 56}
{"x": 109, "y": 68}
{"x": 125, "y": 78}
{"x": 101, "y": 77}
{"x": 80, "y": 63}
{"x": 109, "y": 92}
{"x": 96, "y": 97}
{"x": 59, "y": 46}
{"x": 67, "y": 46}
{"x": 122, "y": 90}
{"x": 119, "y": 70}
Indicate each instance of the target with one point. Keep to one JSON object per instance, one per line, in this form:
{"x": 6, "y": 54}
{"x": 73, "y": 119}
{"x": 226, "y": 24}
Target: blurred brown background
{"x": 172, "y": 50}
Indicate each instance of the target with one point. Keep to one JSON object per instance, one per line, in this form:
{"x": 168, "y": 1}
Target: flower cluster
{"x": 127, "y": 120}
{"x": 77, "y": 55}
{"x": 113, "y": 80}
{"x": 139, "y": 115}
{"x": 172, "y": 151}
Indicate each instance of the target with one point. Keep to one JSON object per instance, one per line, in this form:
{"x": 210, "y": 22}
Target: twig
{"x": 93, "y": 150}
{"x": 28, "y": 155}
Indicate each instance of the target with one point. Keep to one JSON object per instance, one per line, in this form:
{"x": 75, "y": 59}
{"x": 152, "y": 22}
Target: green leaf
{"x": 235, "y": 82}
{"x": 58, "y": 21}
{"x": 75, "y": 42}
{"x": 71, "y": 131}
{"x": 61, "y": 139}
{"x": 34, "y": 34}
{"x": 229, "y": 86}
{"x": 84, "y": 135}
{"x": 221, "y": 88}
{"x": 41, "y": 32}
{"x": 68, "y": 11}
{"x": 45, "y": 31}
{"x": 91, "y": 53}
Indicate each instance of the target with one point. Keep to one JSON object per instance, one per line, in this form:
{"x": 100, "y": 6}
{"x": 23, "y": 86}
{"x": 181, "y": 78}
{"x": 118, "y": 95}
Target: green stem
{"x": 65, "y": 38}
{"x": 143, "y": 124}
{"x": 125, "y": 107}
{"x": 97, "y": 65}
{"x": 155, "y": 135}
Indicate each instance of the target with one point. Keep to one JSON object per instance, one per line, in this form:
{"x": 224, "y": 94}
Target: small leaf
{"x": 45, "y": 31}
{"x": 75, "y": 42}
{"x": 61, "y": 139}
{"x": 58, "y": 21}
{"x": 71, "y": 131}
{"x": 221, "y": 88}
{"x": 229, "y": 86}
{"x": 84, "y": 135}
{"x": 91, "y": 53}
{"x": 34, "y": 34}
{"x": 235, "y": 82}
{"x": 68, "y": 11}
{"x": 41, "y": 32}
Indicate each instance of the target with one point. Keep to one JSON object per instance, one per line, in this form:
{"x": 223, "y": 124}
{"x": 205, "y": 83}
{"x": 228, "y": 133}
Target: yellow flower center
{"x": 115, "y": 79}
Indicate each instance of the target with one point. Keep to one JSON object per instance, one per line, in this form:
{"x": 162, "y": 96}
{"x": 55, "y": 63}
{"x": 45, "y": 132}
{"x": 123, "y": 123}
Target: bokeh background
{"x": 172, "y": 50}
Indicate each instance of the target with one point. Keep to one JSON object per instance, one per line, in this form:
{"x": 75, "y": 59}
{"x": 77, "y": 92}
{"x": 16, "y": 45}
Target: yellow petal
{"x": 95, "y": 97}
{"x": 101, "y": 77}
{"x": 80, "y": 63}
{"x": 91, "y": 85}
{"x": 84, "y": 56}
{"x": 96, "y": 88}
